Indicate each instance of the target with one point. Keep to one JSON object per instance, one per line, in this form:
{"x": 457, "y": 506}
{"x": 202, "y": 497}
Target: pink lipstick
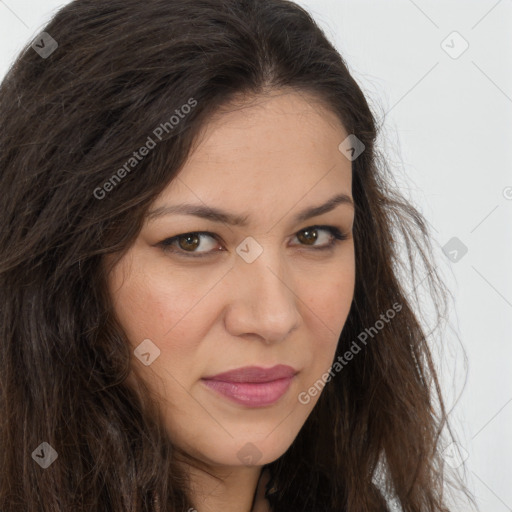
{"x": 252, "y": 385}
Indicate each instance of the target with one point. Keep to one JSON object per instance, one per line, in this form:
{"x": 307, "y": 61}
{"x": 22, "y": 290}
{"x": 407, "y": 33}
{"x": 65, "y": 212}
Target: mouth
{"x": 253, "y": 386}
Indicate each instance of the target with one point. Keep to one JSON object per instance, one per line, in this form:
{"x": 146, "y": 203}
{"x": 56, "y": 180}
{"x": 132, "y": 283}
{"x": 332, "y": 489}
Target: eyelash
{"x": 167, "y": 244}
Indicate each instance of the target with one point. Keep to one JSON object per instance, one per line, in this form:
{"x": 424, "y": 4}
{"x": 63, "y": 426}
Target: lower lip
{"x": 251, "y": 394}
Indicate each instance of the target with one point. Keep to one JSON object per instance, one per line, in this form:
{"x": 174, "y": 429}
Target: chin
{"x": 247, "y": 450}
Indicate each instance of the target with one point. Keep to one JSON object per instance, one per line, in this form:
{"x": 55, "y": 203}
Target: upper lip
{"x": 255, "y": 374}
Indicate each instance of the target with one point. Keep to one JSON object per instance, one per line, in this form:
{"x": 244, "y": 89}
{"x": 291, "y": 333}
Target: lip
{"x": 254, "y": 374}
{"x": 253, "y": 386}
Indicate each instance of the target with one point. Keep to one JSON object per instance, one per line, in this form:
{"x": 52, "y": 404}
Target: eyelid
{"x": 337, "y": 235}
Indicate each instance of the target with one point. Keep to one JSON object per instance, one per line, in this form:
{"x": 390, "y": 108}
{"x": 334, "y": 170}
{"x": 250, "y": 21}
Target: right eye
{"x": 187, "y": 243}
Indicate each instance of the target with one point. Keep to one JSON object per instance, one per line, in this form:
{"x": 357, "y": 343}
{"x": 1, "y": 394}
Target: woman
{"x": 201, "y": 305}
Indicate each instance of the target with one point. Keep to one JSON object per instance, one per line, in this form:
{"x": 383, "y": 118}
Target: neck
{"x": 229, "y": 489}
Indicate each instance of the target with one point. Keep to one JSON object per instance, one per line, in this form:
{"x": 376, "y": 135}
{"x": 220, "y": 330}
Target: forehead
{"x": 272, "y": 150}
{"x": 276, "y": 122}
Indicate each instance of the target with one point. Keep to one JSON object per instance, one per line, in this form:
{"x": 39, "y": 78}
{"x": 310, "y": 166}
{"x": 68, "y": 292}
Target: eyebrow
{"x": 217, "y": 215}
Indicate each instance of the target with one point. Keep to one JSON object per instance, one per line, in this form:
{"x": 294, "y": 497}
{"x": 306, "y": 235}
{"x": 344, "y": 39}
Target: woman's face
{"x": 262, "y": 294}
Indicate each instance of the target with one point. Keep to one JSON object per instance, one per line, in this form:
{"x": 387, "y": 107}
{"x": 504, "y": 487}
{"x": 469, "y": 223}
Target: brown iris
{"x": 308, "y": 235}
{"x": 188, "y": 245}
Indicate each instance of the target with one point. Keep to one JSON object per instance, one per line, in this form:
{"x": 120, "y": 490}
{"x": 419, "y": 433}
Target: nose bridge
{"x": 267, "y": 304}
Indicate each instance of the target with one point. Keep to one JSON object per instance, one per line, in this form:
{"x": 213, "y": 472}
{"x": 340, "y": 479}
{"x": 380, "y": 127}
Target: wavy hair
{"x": 70, "y": 117}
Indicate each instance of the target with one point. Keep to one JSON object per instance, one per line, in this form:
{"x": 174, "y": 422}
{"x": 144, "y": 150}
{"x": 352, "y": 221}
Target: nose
{"x": 265, "y": 302}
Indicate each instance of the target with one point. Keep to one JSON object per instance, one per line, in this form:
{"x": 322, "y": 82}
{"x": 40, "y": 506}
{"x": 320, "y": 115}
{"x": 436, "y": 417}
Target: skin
{"x": 270, "y": 160}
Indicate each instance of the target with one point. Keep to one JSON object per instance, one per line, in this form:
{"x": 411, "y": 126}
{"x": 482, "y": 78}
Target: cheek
{"x": 328, "y": 296}
{"x": 161, "y": 308}
{"x": 328, "y": 299}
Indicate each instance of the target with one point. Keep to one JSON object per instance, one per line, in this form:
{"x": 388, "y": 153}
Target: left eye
{"x": 187, "y": 242}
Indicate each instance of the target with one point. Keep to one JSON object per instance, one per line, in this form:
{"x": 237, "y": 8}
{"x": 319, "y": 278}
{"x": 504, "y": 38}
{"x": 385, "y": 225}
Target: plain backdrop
{"x": 440, "y": 76}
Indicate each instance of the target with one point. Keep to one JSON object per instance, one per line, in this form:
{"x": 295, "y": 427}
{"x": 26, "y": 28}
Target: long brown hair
{"x": 71, "y": 119}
